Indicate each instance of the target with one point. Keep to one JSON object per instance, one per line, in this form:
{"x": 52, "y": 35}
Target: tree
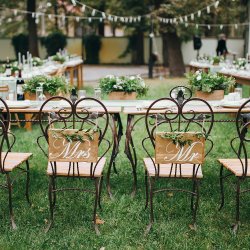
{"x": 32, "y": 28}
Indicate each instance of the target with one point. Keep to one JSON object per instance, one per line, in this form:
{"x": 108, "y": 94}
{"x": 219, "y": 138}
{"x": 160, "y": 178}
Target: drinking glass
{"x": 11, "y": 95}
{"x": 98, "y": 94}
{"x": 39, "y": 94}
{"x": 81, "y": 93}
{"x": 238, "y": 90}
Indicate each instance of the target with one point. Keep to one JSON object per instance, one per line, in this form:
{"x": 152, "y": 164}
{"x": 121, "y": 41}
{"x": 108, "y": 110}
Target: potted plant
{"x": 240, "y": 63}
{"x": 210, "y": 86}
{"x": 52, "y": 86}
{"x": 123, "y": 87}
{"x": 216, "y": 60}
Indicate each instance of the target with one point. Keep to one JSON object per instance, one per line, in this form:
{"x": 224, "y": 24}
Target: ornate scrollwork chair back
{"x": 239, "y": 166}
{"x": 75, "y": 134}
{"x": 178, "y": 129}
{"x": 243, "y": 131}
{"x": 10, "y": 161}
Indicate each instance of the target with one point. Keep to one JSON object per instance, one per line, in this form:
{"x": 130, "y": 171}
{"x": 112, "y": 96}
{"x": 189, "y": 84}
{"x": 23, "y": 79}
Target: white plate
{"x": 233, "y": 104}
{"x": 18, "y": 104}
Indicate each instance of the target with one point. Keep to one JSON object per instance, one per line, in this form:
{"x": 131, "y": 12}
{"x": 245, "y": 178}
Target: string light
{"x": 73, "y": 2}
{"x": 83, "y": 8}
{"x": 130, "y": 19}
{"x": 93, "y": 12}
{"x": 216, "y": 4}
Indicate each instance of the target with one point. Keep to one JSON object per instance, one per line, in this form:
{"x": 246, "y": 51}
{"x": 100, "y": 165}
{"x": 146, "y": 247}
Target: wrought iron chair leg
{"x": 54, "y": 193}
{"x": 27, "y": 182}
{"x": 114, "y": 168}
{"x": 51, "y": 205}
{"x": 100, "y": 192}
{"x": 192, "y": 196}
{"x": 237, "y": 223}
{"x": 196, "y": 203}
{"x": 95, "y": 205}
{"x": 9, "y": 185}
{"x": 135, "y": 181}
{"x": 149, "y": 226}
{"x": 146, "y": 189}
{"x": 221, "y": 188}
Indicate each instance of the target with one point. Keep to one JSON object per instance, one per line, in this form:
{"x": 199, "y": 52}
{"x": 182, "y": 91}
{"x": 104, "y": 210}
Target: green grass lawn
{"x": 125, "y": 217}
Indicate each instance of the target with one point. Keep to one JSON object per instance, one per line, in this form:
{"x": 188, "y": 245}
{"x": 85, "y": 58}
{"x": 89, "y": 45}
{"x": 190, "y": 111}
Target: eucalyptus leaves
{"x": 180, "y": 138}
{"x": 78, "y": 137}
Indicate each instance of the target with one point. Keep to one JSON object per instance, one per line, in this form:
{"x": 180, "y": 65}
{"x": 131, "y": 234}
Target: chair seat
{"x": 14, "y": 160}
{"x": 165, "y": 170}
{"x": 234, "y": 165}
{"x": 62, "y": 169}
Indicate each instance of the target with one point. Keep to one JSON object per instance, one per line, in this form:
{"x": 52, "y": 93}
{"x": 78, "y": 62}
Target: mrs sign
{"x": 72, "y": 145}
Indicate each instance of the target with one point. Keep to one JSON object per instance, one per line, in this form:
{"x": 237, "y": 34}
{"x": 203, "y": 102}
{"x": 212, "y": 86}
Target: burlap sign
{"x": 168, "y": 152}
{"x": 63, "y": 148}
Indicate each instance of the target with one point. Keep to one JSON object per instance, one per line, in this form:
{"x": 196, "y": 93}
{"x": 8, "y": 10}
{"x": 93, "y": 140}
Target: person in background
{"x": 221, "y": 49}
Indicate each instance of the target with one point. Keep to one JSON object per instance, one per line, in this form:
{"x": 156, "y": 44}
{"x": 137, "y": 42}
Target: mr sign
{"x": 191, "y": 151}
{"x": 72, "y": 145}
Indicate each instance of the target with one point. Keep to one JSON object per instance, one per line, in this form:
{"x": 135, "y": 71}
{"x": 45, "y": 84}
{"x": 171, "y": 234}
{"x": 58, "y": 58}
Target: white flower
{"x": 132, "y": 78}
{"x": 198, "y": 78}
{"x": 110, "y": 76}
{"x": 197, "y": 72}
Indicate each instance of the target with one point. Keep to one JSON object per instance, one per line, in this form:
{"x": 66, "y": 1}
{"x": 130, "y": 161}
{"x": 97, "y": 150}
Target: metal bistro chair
{"x": 74, "y": 134}
{"x": 177, "y": 129}
{"x": 4, "y": 91}
{"x": 238, "y": 167}
{"x": 10, "y": 161}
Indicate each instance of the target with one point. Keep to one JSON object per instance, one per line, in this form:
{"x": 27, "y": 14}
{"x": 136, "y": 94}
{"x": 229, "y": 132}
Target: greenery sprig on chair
{"x": 179, "y": 138}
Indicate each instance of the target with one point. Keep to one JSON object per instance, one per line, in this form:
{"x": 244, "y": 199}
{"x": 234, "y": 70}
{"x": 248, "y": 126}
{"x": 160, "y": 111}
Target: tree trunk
{"x": 165, "y": 50}
{"x": 56, "y": 17}
{"x": 175, "y": 59}
{"x": 33, "y": 39}
{"x": 138, "y": 52}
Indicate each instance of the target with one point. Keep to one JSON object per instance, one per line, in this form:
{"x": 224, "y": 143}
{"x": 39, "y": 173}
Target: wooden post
{"x": 28, "y": 125}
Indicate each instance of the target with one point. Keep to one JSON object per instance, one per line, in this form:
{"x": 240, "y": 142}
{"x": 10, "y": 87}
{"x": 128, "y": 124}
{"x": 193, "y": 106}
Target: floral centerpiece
{"x": 123, "y": 87}
{"x": 59, "y": 58}
{"x": 240, "y": 63}
{"x": 216, "y": 60}
{"x": 36, "y": 61}
{"x": 210, "y": 86}
{"x": 52, "y": 86}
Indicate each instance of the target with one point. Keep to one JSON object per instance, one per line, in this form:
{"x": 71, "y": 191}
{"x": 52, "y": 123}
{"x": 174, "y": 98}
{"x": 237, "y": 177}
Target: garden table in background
{"x": 72, "y": 67}
{"x": 136, "y": 114}
{"x": 115, "y": 125}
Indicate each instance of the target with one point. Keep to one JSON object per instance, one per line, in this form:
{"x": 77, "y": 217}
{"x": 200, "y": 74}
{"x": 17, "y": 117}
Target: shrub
{"x": 54, "y": 42}
{"x": 92, "y": 45}
{"x": 20, "y": 43}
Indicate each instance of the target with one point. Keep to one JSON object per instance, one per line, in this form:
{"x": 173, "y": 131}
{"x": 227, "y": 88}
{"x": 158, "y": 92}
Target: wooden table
{"x": 193, "y": 68}
{"x": 78, "y": 68}
{"x": 239, "y": 79}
